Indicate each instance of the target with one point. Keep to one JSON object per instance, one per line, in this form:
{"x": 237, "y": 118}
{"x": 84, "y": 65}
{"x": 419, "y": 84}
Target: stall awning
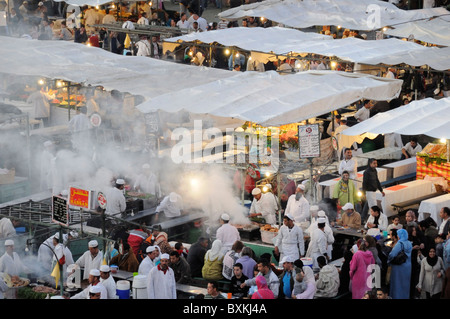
{"x": 435, "y": 31}
{"x": 78, "y": 63}
{"x": 428, "y": 116}
{"x": 358, "y": 15}
{"x": 272, "y": 99}
{"x": 282, "y": 41}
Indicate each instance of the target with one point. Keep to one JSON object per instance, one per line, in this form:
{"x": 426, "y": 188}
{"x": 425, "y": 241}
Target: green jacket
{"x": 350, "y": 196}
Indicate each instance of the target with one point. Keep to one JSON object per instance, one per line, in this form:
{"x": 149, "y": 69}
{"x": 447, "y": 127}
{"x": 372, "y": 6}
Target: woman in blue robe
{"x": 400, "y": 274}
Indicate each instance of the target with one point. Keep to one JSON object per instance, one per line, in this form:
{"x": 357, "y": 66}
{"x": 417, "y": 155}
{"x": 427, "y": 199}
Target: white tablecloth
{"x": 432, "y": 206}
{"x": 329, "y": 184}
{"x": 403, "y": 167}
{"x": 403, "y": 192}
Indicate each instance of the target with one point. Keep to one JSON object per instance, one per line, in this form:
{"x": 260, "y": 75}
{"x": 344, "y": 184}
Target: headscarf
{"x": 162, "y": 236}
{"x": 263, "y": 291}
{"x": 402, "y": 235}
{"x": 215, "y": 251}
{"x": 432, "y": 260}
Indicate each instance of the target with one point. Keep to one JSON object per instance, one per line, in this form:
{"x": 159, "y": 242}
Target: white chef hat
{"x": 173, "y": 197}
{"x": 314, "y": 208}
{"x": 9, "y": 242}
{"x": 150, "y": 249}
{"x": 321, "y": 213}
{"x": 301, "y": 186}
{"x": 105, "y": 268}
{"x": 93, "y": 243}
{"x": 321, "y": 220}
{"x": 94, "y": 272}
{"x": 95, "y": 289}
{"x": 225, "y": 217}
{"x": 73, "y": 233}
{"x": 120, "y": 181}
{"x": 348, "y": 206}
{"x": 289, "y": 216}
{"x": 256, "y": 191}
{"x": 165, "y": 256}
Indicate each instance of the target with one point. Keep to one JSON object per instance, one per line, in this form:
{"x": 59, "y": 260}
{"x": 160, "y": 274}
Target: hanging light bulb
{"x": 41, "y": 82}
{"x": 227, "y": 51}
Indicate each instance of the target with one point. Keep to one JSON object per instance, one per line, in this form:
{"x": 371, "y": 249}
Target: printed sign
{"x": 101, "y": 198}
{"x": 79, "y": 197}
{"x": 60, "y": 210}
{"x": 309, "y": 140}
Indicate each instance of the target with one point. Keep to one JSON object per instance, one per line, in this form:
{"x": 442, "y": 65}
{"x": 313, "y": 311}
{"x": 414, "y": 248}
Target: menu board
{"x": 309, "y": 140}
{"x": 79, "y": 197}
{"x": 60, "y": 210}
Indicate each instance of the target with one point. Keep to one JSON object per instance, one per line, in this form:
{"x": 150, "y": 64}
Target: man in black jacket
{"x": 180, "y": 268}
{"x": 196, "y": 256}
{"x": 370, "y": 185}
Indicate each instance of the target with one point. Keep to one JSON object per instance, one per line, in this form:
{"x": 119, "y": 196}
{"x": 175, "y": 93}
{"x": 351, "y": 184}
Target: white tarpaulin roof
{"x": 346, "y": 13}
{"x": 271, "y": 99}
{"x": 428, "y": 116}
{"x": 81, "y": 3}
{"x": 78, "y": 63}
{"x": 435, "y": 31}
{"x": 282, "y": 41}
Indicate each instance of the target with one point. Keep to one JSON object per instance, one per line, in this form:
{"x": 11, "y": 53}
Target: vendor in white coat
{"x": 41, "y": 105}
{"x": 8, "y": 227}
{"x": 318, "y": 243}
{"x": 147, "y": 182}
{"x": 161, "y": 281}
{"x": 171, "y": 206}
{"x": 328, "y": 231}
{"x": 108, "y": 282}
{"x": 149, "y": 261}
{"x": 91, "y": 259}
{"x": 10, "y": 262}
{"x": 115, "y": 199}
{"x": 377, "y": 219}
{"x": 290, "y": 241}
{"x": 227, "y": 233}
{"x": 264, "y": 205}
{"x": 298, "y": 205}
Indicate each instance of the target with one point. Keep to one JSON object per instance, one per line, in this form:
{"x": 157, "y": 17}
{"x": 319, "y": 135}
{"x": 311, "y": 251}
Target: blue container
{"x": 123, "y": 289}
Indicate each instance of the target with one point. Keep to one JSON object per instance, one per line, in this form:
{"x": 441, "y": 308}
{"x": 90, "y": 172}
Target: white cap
{"x": 321, "y": 220}
{"x": 314, "y": 208}
{"x": 289, "y": 216}
{"x": 146, "y": 165}
{"x": 225, "y": 217}
{"x": 321, "y": 213}
{"x": 120, "y": 181}
{"x": 301, "y": 186}
{"x": 9, "y": 242}
{"x": 348, "y": 206}
{"x": 93, "y": 243}
{"x": 286, "y": 259}
{"x": 165, "y": 256}
{"x": 73, "y": 233}
{"x": 150, "y": 249}
{"x": 256, "y": 191}
{"x": 173, "y": 197}
{"x": 104, "y": 268}
{"x": 94, "y": 272}
{"x": 40, "y": 4}
{"x": 56, "y": 235}
{"x": 95, "y": 289}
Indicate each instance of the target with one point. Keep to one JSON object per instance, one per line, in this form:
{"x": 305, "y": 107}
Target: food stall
{"x": 433, "y": 161}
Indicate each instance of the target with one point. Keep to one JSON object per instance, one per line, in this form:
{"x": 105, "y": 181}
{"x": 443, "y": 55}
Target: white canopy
{"x": 82, "y": 3}
{"x": 435, "y": 31}
{"x": 346, "y": 13}
{"x": 281, "y": 41}
{"x": 78, "y": 63}
{"x": 272, "y": 99}
{"x": 428, "y": 116}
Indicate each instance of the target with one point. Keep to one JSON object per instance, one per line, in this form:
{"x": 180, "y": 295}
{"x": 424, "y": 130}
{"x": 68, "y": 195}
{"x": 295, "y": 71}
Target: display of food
{"x": 45, "y": 289}
{"x": 434, "y": 151}
{"x": 138, "y": 195}
{"x": 16, "y": 282}
{"x": 269, "y": 228}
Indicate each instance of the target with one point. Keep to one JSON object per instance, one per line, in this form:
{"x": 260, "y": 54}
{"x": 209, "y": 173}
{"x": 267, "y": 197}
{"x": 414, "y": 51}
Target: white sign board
{"x": 309, "y": 140}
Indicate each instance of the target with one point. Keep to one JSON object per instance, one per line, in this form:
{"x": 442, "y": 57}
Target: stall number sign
{"x": 309, "y": 140}
{"x": 60, "y": 210}
{"x": 79, "y": 197}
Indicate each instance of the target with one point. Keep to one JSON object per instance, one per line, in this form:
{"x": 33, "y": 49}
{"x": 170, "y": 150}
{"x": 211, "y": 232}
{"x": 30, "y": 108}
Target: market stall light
{"x": 267, "y": 174}
{"x": 339, "y": 27}
{"x": 265, "y": 189}
{"x": 359, "y": 194}
{"x": 237, "y": 55}
{"x": 443, "y": 140}
{"x": 227, "y": 52}
{"x": 384, "y": 29}
{"x": 333, "y": 64}
{"x": 194, "y": 183}
{"x": 59, "y": 84}
{"x": 262, "y": 19}
{"x": 41, "y": 82}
